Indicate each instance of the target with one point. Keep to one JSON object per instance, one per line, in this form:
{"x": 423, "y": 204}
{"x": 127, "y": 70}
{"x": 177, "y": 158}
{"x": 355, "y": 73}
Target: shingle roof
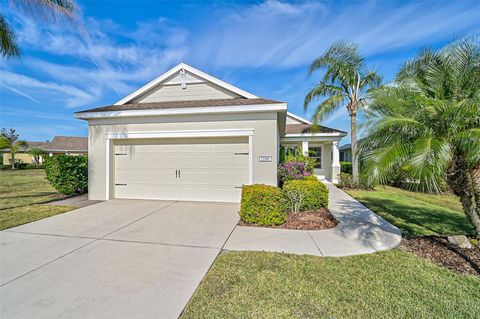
{"x": 307, "y": 128}
{"x": 68, "y": 143}
{"x": 181, "y": 104}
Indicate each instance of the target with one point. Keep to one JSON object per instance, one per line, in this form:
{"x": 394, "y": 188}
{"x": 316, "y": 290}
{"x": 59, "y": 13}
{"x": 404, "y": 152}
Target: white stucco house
{"x": 189, "y": 136}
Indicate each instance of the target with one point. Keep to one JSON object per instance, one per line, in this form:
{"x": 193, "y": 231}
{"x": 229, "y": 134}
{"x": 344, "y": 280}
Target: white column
{"x": 305, "y": 147}
{"x": 335, "y": 162}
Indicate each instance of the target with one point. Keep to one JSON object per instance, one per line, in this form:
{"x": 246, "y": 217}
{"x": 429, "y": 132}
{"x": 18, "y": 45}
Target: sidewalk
{"x": 360, "y": 231}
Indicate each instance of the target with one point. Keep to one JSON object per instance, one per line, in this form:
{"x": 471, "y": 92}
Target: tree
{"x": 428, "y": 125}
{"x": 346, "y": 81}
{"x": 9, "y": 139}
{"x": 40, "y": 8}
{"x": 37, "y": 154}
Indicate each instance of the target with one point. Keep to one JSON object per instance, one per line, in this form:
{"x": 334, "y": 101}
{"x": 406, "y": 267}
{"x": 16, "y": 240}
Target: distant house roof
{"x": 181, "y": 104}
{"x": 307, "y": 128}
{"x": 347, "y": 147}
{"x": 68, "y": 143}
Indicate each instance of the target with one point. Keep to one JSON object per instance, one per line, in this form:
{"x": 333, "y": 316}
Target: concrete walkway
{"x": 360, "y": 231}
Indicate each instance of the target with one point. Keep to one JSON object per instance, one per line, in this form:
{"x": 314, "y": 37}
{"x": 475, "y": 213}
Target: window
{"x": 316, "y": 153}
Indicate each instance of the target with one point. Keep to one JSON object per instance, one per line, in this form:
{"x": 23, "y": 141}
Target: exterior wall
{"x": 19, "y": 157}
{"x": 192, "y": 91}
{"x": 345, "y": 156}
{"x": 264, "y": 141}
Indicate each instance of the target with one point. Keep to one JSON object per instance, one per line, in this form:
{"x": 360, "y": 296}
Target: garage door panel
{"x": 211, "y": 169}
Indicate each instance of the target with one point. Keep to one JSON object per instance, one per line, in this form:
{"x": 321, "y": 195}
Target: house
{"x": 345, "y": 153}
{"x": 69, "y": 145}
{"x": 189, "y": 136}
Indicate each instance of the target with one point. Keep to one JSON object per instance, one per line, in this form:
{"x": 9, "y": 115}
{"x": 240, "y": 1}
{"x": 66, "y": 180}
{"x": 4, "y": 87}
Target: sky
{"x": 263, "y": 47}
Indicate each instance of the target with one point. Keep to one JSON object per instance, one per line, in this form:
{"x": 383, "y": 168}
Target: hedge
{"x": 314, "y": 194}
{"x": 68, "y": 174}
{"x": 346, "y": 167}
{"x": 263, "y": 205}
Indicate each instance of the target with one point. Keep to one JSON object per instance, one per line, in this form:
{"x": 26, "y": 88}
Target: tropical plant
{"x": 38, "y": 8}
{"x": 428, "y": 125}
{"x": 292, "y": 170}
{"x": 346, "y": 81}
{"x": 9, "y": 140}
{"x": 37, "y": 155}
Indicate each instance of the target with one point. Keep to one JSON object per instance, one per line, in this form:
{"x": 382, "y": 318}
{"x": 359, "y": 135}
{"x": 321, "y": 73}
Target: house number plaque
{"x": 264, "y": 158}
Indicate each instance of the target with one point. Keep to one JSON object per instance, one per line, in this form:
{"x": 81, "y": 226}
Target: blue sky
{"x": 261, "y": 47}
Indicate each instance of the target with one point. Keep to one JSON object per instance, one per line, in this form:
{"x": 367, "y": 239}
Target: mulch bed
{"x": 441, "y": 252}
{"x": 307, "y": 220}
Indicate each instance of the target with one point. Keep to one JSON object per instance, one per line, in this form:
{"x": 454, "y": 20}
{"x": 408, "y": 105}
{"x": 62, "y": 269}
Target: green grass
{"x": 21, "y": 194}
{"x": 417, "y": 213}
{"x": 392, "y": 284}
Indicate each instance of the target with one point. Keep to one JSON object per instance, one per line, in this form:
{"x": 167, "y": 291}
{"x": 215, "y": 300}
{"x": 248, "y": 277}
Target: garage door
{"x": 181, "y": 169}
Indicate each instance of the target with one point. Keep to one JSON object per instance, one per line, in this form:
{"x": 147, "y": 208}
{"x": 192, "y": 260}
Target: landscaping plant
{"x": 307, "y": 194}
{"x": 263, "y": 205}
{"x": 9, "y": 139}
{"x": 293, "y": 170}
{"x": 428, "y": 125}
{"x": 346, "y": 81}
{"x": 68, "y": 174}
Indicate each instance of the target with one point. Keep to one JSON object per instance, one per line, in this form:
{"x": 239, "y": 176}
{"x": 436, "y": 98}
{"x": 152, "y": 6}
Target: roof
{"x": 180, "y": 104}
{"x": 68, "y": 143}
{"x": 348, "y": 146}
{"x": 307, "y": 128}
{"x": 182, "y": 67}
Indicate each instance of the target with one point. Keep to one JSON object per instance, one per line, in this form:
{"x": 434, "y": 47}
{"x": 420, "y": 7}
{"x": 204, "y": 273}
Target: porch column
{"x": 335, "y": 163}
{"x": 305, "y": 148}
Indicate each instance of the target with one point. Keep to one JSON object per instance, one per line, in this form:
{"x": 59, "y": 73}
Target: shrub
{"x": 263, "y": 205}
{"x": 346, "y": 167}
{"x": 310, "y": 178}
{"x": 34, "y": 166}
{"x": 292, "y": 170}
{"x": 21, "y": 165}
{"x": 306, "y": 194}
{"x": 68, "y": 174}
{"x": 346, "y": 181}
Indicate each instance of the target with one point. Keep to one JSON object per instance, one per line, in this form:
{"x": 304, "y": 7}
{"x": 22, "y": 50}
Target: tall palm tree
{"x": 428, "y": 125}
{"x": 346, "y": 81}
{"x": 48, "y": 9}
{"x": 9, "y": 139}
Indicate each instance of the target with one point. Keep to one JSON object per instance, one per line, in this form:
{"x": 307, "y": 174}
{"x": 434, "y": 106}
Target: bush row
{"x": 346, "y": 167}
{"x": 268, "y": 205}
{"x": 22, "y": 166}
{"x": 68, "y": 174}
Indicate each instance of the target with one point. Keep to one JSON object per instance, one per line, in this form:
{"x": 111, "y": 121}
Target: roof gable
{"x": 184, "y": 82}
{"x": 295, "y": 119}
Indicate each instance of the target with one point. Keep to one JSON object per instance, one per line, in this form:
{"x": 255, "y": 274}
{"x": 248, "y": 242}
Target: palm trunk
{"x": 353, "y": 149}
{"x": 465, "y": 184}
{"x": 13, "y": 159}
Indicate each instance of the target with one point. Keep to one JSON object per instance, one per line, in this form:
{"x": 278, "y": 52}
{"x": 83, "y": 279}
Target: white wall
{"x": 265, "y": 139}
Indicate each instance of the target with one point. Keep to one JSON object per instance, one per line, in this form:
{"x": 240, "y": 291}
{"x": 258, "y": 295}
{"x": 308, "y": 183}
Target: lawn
{"x": 391, "y": 284}
{"x": 21, "y": 194}
{"x": 417, "y": 213}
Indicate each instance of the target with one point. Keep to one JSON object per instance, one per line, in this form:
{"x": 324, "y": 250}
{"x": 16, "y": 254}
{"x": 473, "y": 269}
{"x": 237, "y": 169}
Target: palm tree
{"x": 43, "y": 8}
{"x": 9, "y": 139}
{"x": 37, "y": 154}
{"x": 428, "y": 125}
{"x": 346, "y": 81}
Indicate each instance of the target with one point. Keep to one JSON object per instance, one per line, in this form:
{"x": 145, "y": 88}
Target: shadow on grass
{"x": 420, "y": 218}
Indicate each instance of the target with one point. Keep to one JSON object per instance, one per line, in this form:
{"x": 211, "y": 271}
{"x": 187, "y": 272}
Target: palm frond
{"x": 327, "y": 107}
{"x": 321, "y": 90}
{"x": 8, "y": 45}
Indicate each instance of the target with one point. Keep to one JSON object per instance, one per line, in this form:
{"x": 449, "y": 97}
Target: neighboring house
{"x": 189, "y": 136}
{"x": 346, "y": 151}
{"x": 70, "y": 145}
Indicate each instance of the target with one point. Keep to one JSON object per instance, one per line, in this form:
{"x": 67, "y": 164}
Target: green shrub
{"x": 21, "y": 165}
{"x": 346, "y": 167}
{"x": 346, "y": 181}
{"x": 311, "y": 178}
{"x": 68, "y": 174}
{"x": 34, "y": 166}
{"x": 306, "y": 194}
{"x": 263, "y": 205}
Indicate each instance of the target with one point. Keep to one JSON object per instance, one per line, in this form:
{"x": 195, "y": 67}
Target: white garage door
{"x": 181, "y": 169}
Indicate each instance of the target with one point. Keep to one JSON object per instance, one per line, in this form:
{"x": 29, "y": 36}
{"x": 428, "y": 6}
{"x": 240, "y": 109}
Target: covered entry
{"x": 197, "y": 169}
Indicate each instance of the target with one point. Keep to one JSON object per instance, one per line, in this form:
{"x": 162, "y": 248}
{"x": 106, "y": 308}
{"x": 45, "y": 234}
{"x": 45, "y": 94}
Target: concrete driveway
{"x": 116, "y": 259}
